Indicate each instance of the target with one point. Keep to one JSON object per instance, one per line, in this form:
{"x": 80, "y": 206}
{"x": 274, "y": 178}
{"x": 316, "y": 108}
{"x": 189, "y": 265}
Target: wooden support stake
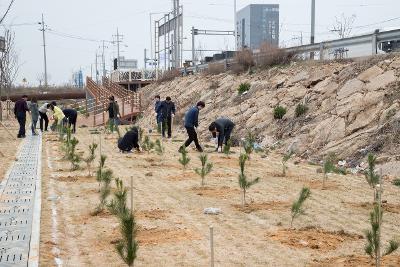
{"x": 212, "y": 245}
{"x": 131, "y": 194}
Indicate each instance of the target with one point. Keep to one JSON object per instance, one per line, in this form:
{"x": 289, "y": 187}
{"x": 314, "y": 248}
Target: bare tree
{"x": 343, "y": 27}
{"x": 8, "y": 10}
{"x": 9, "y": 65}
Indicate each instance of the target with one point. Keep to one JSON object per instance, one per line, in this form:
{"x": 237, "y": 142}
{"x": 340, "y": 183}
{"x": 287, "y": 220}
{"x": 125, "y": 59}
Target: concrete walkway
{"x": 20, "y": 207}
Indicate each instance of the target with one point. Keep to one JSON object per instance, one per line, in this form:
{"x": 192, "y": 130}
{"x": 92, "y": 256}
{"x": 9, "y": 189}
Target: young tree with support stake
{"x": 206, "y": 168}
{"x": 243, "y": 182}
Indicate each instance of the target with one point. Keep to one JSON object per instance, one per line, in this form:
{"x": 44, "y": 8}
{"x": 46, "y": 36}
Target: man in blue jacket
{"x": 192, "y": 121}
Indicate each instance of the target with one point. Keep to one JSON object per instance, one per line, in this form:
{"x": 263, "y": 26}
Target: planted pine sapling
{"x": 206, "y": 167}
{"x": 117, "y": 205}
{"x": 227, "y": 148}
{"x": 89, "y": 160}
{"x": 72, "y": 156}
{"x": 159, "y": 147}
{"x": 248, "y": 144}
{"x": 297, "y": 206}
{"x": 328, "y": 168}
{"x": 285, "y": 159}
{"x": 101, "y": 167}
{"x": 243, "y": 182}
{"x": 370, "y": 175}
{"x": 184, "y": 159}
{"x": 127, "y": 246}
{"x": 67, "y": 143}
{"x": 147, "y": 144}
{"x": 373, "y": 245}
{"x": 396, "y": 182}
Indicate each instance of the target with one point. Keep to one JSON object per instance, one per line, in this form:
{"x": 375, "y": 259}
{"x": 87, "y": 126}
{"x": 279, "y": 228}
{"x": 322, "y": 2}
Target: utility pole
{"x": 234, "y": 23}
{"x": 43, "y": 30}
{"x": 193, "y": 48}
{"x": 312, "y": 26}
{"x": 118, "y": 41}
{"x": 97, "y": 71}
{"x": 104, "y": 61}
{"x": 145, "y": 58}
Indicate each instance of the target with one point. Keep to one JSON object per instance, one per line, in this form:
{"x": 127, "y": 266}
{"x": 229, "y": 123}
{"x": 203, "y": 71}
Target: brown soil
{"x": 151, "y": 237}
{"x": 313, "y": 238}
{"x": 268, "y": 206}
{"x": 155, "y": 214}
{"x": 8, "y": 147}
{"x": 356, "y": 260}
{"x": 387, "y": 207}
{"x": 219, "y": 192}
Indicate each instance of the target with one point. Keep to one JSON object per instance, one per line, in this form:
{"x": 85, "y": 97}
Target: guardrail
{"x": 374, "y": 39}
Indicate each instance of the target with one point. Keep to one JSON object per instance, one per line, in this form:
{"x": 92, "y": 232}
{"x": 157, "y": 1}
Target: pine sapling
{"x": 370, "y": 175}
{"x": 396, "y": 182}
{"x": 285, "y": 159}
{"x": 373, "y": 245}
{"x": 205, "y": 167}
{"x": 91, "y": 157}
{"x": 101, "y": 168}
{"x": 147, "y": 145}
{"x": 159, "y": 147}
{"x": 72, "y": 156}
{"x": 243, "y": 182}
{"x": 67, "y": 143}
{"x": 248, "y": 145}
{"x": 184, "y": 159}
{"x": 328, "y": 168}
{"x": 297, "y": 206}
{"x": 117, "y": 205}
{"x": 227, "y": 148}
{"x": 127, "y": 246}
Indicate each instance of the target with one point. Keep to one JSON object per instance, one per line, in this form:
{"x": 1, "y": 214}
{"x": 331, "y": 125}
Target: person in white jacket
{"x": 43, "y": 116}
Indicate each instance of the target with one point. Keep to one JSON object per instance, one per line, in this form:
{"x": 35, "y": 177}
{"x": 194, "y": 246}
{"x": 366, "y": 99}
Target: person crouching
{"x": 129, "y": 141}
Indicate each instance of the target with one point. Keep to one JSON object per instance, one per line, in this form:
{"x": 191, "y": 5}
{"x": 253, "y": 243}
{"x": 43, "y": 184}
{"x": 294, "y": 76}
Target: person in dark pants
{"x": 157, "y": 105}
{"x": 71, "y": 116}
{"x": 167, "y": 111}
{"x": 33, "y": 107}
{"x": 20, "y": 109}
{"x": 224, "y": 128}
{"x": 113, "y": 113}
{"x": 192, "y": 121}
{"x": 129, "y": 141}
{"x": 43, "y": 116}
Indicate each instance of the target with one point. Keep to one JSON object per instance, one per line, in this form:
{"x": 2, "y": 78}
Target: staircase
{"x": 95, "y": 105}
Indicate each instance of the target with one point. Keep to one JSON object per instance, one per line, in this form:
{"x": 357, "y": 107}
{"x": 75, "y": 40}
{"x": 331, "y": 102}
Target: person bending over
{"x": 192, "y": 122}
{"x": 43, "y": 116}
{"x": 129, "y": 141}
{"x": 223, "y": 127}
{"x": 58, "y": 117}
{"x": 71, "y": 115}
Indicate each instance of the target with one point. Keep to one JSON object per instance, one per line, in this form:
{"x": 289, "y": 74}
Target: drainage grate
{"x": 17, "y": 199}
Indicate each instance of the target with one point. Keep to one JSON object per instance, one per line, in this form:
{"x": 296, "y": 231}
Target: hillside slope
{"x": 353, "y": 106}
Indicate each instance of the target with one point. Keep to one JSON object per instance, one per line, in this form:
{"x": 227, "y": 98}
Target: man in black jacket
{"x": 167, "y": 112}
{"x": 20, "y": 109}
{"x": 129, "y": 141}
{"x": 224, "y": 128}
{"x": 71, "y": 116}
{"x": 113, "y": 113}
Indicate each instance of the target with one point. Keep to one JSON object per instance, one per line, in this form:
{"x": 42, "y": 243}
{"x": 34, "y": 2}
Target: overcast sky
{"x": 99, "y": 19}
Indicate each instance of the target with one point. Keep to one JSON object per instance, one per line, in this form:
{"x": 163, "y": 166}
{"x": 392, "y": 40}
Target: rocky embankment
{"x": 353, "y": 106}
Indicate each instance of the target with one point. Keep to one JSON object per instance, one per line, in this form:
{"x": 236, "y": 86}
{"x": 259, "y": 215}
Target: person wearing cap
{"x": 20, "y": 109}
{"x": 167, "y": 111}
{"x": 191, "y": 123}
{"x": 223, "y": 128}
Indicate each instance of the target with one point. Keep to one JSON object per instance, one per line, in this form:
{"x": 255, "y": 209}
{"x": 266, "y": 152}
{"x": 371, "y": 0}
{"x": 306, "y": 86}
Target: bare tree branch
{"x": 8, "y": 10}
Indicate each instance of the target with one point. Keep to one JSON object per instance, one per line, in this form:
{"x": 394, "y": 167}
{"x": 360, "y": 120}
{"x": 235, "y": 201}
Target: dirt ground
{"x": 8, "y": 146}
{"x": 174, "y": 231}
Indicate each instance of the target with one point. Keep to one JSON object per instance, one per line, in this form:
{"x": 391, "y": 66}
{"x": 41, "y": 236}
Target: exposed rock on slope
{"x": 353, "y": 106}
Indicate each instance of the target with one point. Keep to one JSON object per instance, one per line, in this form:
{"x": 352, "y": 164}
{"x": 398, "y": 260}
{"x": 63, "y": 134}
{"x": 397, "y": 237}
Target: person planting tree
{"x": 58, "y": 117}
{"x": 192, "y": 122}
{"x": 129, "y": 141}
{"x": 223, "y": 127}
{"x": 71, "y": 116}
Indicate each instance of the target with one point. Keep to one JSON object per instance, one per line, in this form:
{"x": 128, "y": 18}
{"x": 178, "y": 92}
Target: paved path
{"x": 20, "y": 203}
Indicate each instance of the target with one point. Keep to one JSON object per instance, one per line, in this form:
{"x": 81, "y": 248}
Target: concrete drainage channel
{"x": 20, "y": 204}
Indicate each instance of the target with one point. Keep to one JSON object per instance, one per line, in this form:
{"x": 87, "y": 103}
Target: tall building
{"x": 257, "y": 24}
